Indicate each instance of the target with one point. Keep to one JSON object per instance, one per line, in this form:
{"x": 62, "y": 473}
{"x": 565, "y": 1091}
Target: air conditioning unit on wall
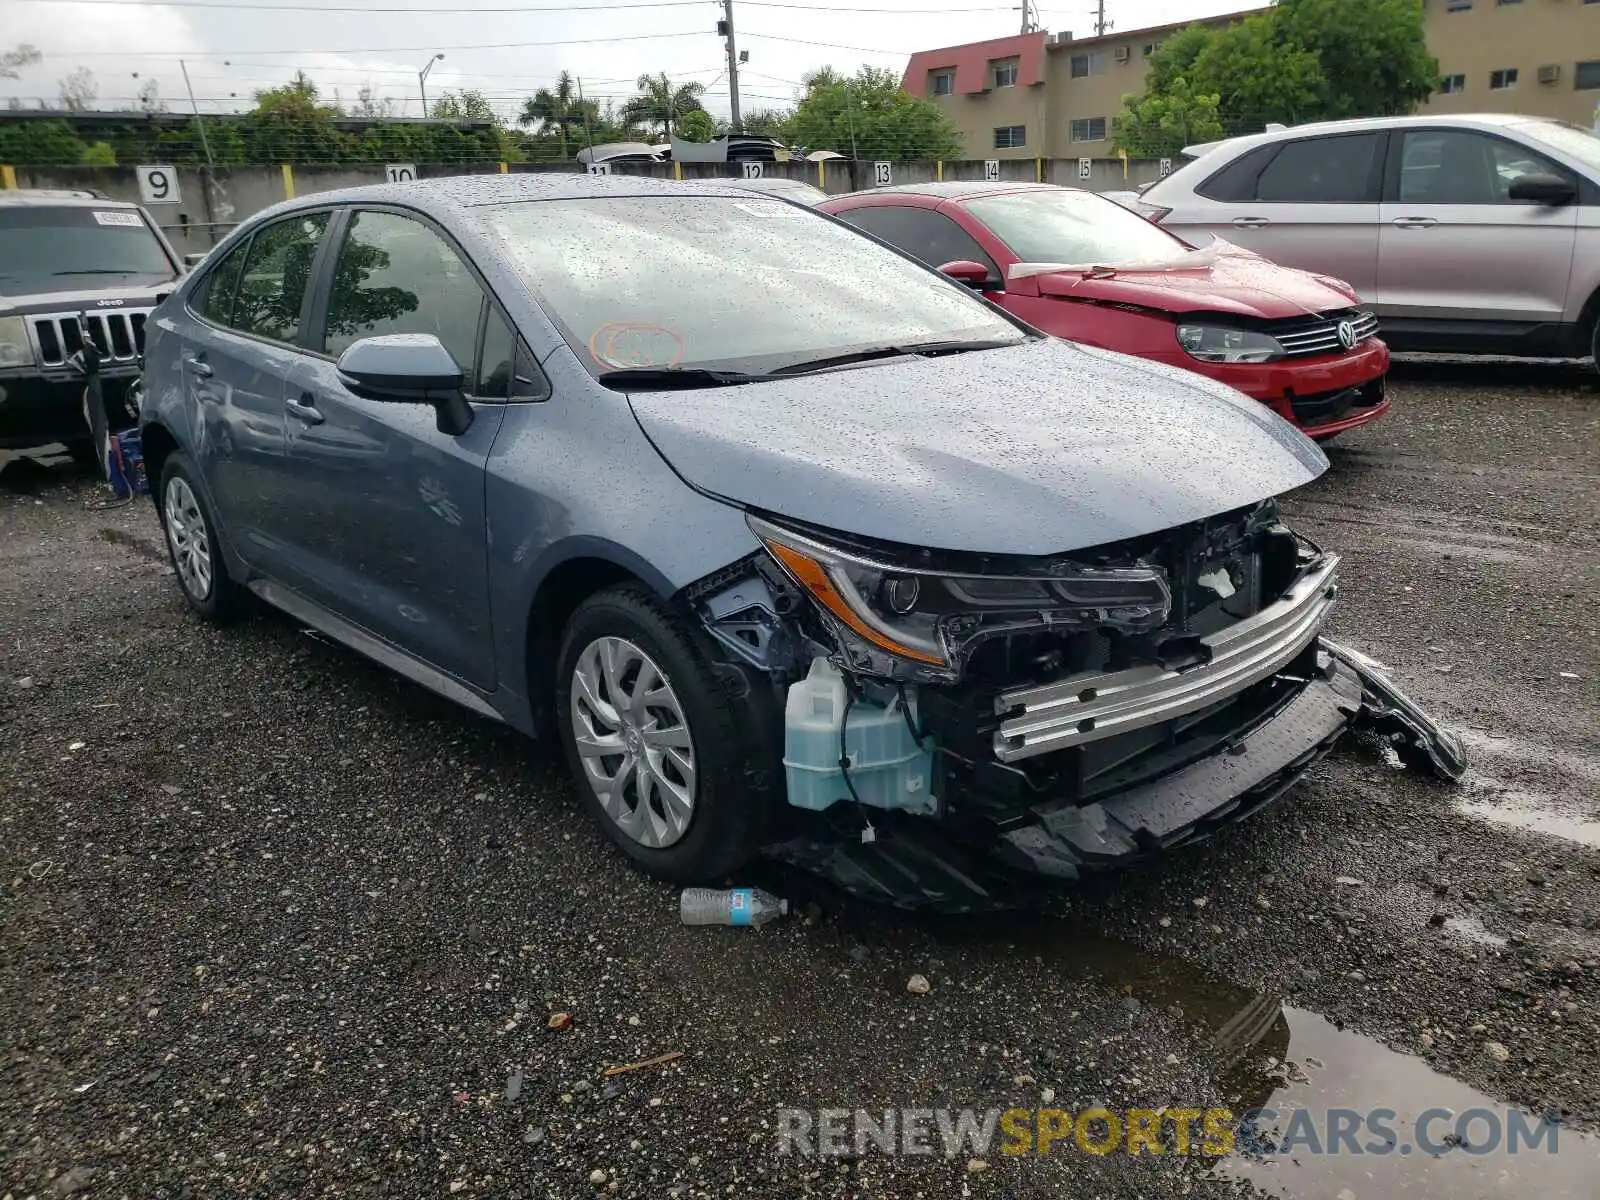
{"x": 1550, "y": 73}
{"x": 1123, "y": 53}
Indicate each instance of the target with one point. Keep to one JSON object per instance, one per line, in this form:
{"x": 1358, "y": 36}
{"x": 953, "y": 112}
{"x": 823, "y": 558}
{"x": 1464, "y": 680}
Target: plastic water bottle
{"x": 737, "y": 906}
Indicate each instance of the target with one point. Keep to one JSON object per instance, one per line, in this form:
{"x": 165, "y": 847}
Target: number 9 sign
{"x": 158, "y": 185}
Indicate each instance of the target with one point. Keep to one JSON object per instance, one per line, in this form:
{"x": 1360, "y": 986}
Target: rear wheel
{"x": 192, "y": 543}
{"x": 668, "y": 757}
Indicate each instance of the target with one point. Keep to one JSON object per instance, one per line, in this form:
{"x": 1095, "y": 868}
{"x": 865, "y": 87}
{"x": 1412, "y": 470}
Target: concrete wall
{"x": 211, "y": 203}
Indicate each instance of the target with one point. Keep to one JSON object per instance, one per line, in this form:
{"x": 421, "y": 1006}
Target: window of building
{"x": 1083, "y": 65}
{"x": 1089, "y": 129}
{"x": 396, "y": 275}
{"x": 942, "y": 83}
{"x": 1451, "y": 84}
{"x": 1502, "y": 79}
{"x": 1004, "y": 74}
{"x": 1150, "y": 48}
{"x": 272, "y": 288}
{"x": 1586, "y": 75}
{"x": 1326, "y": 170}
{"x": 931, "y": 237}
{"x": 1009, "y": 137}
{"x": 1457, "y": 5}
{"x": 1503, "y": 2}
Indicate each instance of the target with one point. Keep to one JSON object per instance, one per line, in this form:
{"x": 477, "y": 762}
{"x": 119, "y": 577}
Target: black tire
{"x": 733, "y": 732}
{"x": 86, "y": 454}
{"x": 221, "y": 601}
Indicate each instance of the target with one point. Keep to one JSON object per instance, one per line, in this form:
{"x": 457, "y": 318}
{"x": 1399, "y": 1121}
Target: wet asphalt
{"x": 277, "y": 923}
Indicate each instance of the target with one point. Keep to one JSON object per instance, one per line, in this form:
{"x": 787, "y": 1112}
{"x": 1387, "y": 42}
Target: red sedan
{"x": 1081, "y": 267}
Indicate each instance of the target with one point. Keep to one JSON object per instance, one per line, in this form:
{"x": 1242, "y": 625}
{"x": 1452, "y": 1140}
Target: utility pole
{"x": 1101, "y": 25}
{"x": 1030, "y": 18}
{"x": 725, "y": 28}
{"x": 198, "y": 123}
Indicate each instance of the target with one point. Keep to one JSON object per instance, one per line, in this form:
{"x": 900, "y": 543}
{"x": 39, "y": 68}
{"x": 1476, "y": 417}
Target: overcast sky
{"x": 234, "y": 48}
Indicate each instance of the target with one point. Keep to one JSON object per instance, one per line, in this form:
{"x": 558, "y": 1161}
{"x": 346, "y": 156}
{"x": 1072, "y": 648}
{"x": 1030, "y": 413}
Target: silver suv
{"x": 1469, "y": 234}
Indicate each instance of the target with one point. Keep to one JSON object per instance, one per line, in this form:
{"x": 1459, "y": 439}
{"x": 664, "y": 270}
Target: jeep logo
{"x": 107, "y": 303}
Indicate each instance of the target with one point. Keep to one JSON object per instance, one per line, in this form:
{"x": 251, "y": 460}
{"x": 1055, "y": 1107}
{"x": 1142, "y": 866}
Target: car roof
{"x": 1364, "y": 125}
{"x": 960, "y": 189}
{"x": 439, "y": 197}
{"x": 60, "y": 198}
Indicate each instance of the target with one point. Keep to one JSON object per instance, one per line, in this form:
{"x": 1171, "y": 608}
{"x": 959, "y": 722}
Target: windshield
{"x": 1055, "y": 225}
{"x": 71, "y": 248}
{"x": 748, "y": 284}
{"x": 1579, "y": 143}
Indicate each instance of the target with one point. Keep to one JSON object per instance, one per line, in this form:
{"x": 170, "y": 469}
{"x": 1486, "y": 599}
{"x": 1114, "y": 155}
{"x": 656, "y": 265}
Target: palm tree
{"x": 660, "y": 103}
{"x": 558, "y": 107}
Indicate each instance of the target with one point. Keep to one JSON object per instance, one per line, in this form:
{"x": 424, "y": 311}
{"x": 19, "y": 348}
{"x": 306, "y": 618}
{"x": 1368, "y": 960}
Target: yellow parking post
{"x": 1038, "y": 170}
{"x": 504, "y": 168}
{"x": 938, "y": 170}
{"x": 677, "y": 170}
{"x": 288, "y": 182}
{"x": 822, "y": 174}
{"x": 8, "y": 177}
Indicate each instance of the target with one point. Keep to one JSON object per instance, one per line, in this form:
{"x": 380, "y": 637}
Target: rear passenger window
{"x": 1330, "y": 170}
{"x": 396, "y": 275}
{"x": 1236, "y": 182}
{"x": 277, "y": 269}
{"x": 213, "y": 299}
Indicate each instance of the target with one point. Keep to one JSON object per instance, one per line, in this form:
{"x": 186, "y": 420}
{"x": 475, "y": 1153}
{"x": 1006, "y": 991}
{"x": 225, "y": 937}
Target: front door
{"x": 1454, "y": 246}
{"x": 239, "y": 342}
{"x": 391, "y": 511}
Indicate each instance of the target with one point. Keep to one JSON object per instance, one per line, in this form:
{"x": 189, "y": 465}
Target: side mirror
{"x": 1544, "y": 188}
{"x": 964, "y": 270}
{"x": 408, "y": 368}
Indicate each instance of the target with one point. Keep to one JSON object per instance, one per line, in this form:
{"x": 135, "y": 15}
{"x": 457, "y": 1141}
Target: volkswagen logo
{"x": 1347, "y": 335}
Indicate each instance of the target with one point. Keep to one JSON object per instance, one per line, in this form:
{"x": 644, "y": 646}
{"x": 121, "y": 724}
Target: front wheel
{"x": 668, "y": 757}
{"x": 192, "y": 542}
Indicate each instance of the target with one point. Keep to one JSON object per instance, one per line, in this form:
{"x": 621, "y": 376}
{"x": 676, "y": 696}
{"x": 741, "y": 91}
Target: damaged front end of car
{"x": 961, "y": 729}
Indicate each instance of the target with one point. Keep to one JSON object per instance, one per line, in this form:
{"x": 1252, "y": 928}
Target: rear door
{"x": 240, "y": 338}
{"x": 1311, "y": 203}
{"x": 391, "y": 523}
{"x": 1453, "y": 244}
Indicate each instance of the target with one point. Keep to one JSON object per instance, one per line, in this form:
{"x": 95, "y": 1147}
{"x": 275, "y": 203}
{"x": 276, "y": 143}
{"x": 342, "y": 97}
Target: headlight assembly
{"x": 930, "y": 618}
{"x": 1218, "y": 343}
{"x": 14, "y": 348}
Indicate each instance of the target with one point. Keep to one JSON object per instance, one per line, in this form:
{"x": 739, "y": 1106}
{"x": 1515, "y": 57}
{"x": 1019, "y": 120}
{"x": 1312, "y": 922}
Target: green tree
{"x": 12, "y": 61}
{"x": 1299, "y": 61}
{"x": 40, "y": 144}
{"x": 660, "y": 103}
{"x": 465, "y": 105}
{"x": 99, "y": 154}
{"x": 870, "y": 116}
{"x": 289, "y": 125}
{"x": 697, "y": 126}
{"x": 79, "y": 90}
{"x": 559, "y": 114}
{"x": 1159, "y": 124}
{"x": 768, "y": 122}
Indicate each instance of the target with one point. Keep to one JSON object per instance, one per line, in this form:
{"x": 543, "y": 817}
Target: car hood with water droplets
{"x": 1041, "y": 448}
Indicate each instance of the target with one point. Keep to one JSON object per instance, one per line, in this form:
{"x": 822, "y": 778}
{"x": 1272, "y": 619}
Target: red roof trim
{"x": 971, "y": 63}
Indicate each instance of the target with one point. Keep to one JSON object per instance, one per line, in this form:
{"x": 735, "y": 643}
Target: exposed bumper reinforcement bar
{"x": 1091, "y": 706}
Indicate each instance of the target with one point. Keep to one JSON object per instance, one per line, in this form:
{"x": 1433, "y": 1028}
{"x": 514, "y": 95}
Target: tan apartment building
{"x": 1056, "y": 96}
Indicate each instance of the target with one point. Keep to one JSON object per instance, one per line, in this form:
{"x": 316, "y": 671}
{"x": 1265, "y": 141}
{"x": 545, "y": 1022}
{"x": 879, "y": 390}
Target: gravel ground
{"x": 279, "y": 924}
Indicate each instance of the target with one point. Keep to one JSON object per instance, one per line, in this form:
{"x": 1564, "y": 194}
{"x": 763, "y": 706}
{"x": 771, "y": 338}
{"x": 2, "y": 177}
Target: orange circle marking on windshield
{"x": 603, "y": 344}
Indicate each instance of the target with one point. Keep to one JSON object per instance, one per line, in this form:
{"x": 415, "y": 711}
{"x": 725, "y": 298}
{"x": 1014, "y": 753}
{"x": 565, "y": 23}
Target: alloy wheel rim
{"x": 633, "y": 741}
{"x": 186, "y": 534}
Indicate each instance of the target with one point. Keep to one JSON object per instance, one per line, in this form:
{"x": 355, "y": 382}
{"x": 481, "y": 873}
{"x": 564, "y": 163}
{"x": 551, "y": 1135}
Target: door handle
{"x": 303, "y": 410}
{"x": 1415, "y": 222}
{"x": 198, "y": 367}
{"x": 1251, "y": 222}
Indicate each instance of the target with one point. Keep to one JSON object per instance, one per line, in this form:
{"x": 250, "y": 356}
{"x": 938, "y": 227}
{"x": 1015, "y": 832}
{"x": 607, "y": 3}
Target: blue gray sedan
{"x": 797, "y": 545}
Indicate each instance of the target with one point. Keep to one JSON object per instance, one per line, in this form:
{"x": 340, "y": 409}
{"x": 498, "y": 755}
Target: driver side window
{"x": 396, "y": 275}
{"x": 1453, "y": 166}
{"x": 922, "y": 233}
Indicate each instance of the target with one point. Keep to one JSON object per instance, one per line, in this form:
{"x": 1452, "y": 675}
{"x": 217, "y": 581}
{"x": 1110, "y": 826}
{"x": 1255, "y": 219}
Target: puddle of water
{"x": 1534, "y": 812}
{"x": 1531, "y": 754}
{"x": 1473, "y": 930}
{"x": 1361, "y": 1074}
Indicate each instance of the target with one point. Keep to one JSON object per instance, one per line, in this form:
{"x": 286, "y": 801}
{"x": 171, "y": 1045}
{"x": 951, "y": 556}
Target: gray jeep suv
{"x": 794, "y": 543}
{"x": 74, "y": 267}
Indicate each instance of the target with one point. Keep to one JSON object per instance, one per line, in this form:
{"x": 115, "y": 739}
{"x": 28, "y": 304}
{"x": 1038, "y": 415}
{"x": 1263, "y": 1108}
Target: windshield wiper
{"x": 98, "y": 271}
{"x": 911, "y": 350}
{"x": 667, "y": 379}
